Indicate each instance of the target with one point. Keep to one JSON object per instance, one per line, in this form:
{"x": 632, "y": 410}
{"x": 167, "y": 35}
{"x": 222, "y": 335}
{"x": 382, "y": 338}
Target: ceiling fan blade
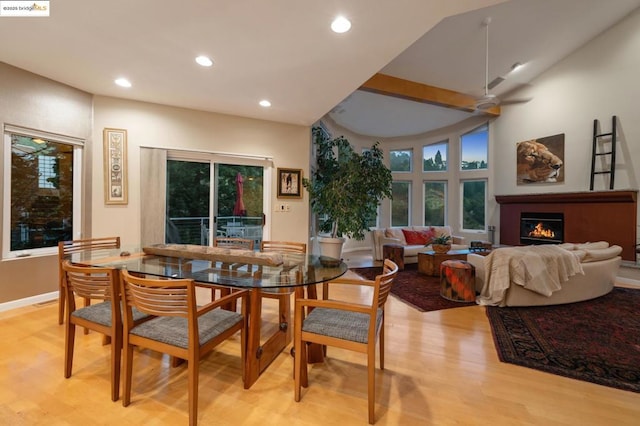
{"x": 515, "y": 101}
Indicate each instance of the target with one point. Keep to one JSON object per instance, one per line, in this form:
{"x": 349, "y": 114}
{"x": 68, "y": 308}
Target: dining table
{"x": 294, "y": 273}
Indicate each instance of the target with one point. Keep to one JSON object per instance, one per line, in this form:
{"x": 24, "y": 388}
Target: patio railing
{"x": 195, "y": 230}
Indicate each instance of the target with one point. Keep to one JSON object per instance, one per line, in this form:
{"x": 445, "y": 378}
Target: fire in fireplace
{"x": 541, "y": 228}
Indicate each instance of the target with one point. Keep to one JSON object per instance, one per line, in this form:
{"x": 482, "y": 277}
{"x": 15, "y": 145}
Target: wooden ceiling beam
{"x": 383, "y": 84}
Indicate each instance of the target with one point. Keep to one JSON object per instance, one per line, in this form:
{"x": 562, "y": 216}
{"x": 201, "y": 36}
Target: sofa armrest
{"x": 387, "y": 240}
{"x": 457, "y": 239}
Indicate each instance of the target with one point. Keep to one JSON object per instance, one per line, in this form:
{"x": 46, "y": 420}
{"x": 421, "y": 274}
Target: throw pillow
{"x": 429, "y": 234}
{"x": 418, "y": 237}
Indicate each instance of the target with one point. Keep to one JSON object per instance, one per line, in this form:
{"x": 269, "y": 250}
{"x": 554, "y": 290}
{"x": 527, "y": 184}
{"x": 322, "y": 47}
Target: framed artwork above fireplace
{"x": 540, "y": 160}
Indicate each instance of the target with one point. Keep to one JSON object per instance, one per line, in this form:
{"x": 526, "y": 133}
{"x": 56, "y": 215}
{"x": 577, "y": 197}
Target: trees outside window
{"x": 401, "y": 160}
{"x": 43, "y": 190}
{"x": 474, "y": 149}
{"x": 435, "y": 203}
{"x": 473, "y": 204}
{"x": 434, "y": 157}
{"x": 401, "y": 203}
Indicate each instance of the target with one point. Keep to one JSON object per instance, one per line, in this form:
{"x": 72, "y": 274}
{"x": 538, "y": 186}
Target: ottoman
{"x": 457, "y": 281}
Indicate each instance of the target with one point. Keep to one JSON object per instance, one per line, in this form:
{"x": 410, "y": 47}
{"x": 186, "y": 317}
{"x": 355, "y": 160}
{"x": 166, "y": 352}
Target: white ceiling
{"x": 284, "y": 51}
{"x": 281, "y": 50}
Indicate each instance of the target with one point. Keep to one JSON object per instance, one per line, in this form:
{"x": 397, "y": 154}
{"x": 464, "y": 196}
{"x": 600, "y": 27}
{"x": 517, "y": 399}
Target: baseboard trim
{"x": 28, "y": 301}
{"x": 628, "y": 281}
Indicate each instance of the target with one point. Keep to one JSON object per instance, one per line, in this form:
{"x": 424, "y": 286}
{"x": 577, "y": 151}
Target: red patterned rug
{"x": 596, "y": 341}
{"x": 417, "y": 290}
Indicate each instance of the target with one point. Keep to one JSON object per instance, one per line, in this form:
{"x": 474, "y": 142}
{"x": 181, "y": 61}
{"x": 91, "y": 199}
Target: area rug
{"x": 419, "y": 291}
{"x": 596, "y": 341}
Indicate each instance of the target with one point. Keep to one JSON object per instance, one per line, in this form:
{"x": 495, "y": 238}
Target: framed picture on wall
{"x": 115, "y": 166}
{"x": 540, "y": 161}
{"x": 289, "y": 183}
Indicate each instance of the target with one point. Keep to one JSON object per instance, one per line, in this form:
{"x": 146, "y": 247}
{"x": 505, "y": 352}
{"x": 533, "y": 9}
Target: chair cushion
{"x": 100, "y": 313}
{"x": 345, "y": 325}
{"x": 173, "y": 330}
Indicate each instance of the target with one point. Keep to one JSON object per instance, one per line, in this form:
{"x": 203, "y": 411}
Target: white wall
{"x": 31, "y": 101}
{"x": 595, "y": 82}
{"x": 170, "y": 127}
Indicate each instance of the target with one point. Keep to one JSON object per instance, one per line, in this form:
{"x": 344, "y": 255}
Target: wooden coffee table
{"x": 429, "y": 261}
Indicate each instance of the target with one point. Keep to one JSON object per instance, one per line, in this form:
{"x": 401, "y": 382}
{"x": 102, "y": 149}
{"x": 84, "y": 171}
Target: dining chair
{"x": 66, "y": 248}
{"x": 180, "y": 328}
{"x": 347, "y": 325}
{"x": 281, "y": 247}
{"x": 233, "y": 243}
{"x": 98, "y": 284}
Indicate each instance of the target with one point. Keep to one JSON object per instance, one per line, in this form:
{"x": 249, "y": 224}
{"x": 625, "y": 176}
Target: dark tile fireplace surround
{"x": 570, "y": 217}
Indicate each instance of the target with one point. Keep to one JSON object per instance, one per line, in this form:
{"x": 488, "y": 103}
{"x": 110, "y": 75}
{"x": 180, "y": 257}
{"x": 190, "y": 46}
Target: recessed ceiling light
{"x": 204, "y": 61}
{"x": 341, "y": 25}
{"x": 123, "y": 82}
{"x": 265, "y": 103}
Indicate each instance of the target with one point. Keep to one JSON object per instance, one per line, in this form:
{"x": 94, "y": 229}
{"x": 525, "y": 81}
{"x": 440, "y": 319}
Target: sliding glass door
{"x": 206, "y": 199}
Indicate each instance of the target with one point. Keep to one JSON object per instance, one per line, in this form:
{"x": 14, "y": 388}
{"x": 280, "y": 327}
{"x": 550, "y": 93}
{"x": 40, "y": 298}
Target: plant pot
{"x": 441, "y": 248}
{"x": 331, "y": 247}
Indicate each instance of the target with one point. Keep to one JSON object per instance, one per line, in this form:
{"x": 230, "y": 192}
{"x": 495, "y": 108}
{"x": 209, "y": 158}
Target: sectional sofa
{"x": 414, "y": 239}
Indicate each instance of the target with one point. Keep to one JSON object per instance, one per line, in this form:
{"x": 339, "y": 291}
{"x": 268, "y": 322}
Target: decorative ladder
{"x": 604, "y": 137}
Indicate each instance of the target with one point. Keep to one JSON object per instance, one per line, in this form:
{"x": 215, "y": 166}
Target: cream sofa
{"x": 599, "y": 261}
{"x": 394, "y": 235}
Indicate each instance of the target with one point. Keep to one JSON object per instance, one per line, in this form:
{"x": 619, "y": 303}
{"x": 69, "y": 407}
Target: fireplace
{"x": 541, "y": 228}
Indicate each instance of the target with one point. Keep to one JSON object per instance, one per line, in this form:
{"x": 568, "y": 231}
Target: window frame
{"x": 78, "y": 145}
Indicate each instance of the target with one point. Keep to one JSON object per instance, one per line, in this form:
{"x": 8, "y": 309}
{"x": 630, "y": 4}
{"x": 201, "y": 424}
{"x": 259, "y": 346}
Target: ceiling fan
{"x": 489, "y": 100}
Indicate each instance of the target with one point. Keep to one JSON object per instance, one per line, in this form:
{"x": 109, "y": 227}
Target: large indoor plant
{"x": 346, "y": 187}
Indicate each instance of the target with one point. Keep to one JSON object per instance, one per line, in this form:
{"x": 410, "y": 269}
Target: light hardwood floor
{"x": 441, "y": 369}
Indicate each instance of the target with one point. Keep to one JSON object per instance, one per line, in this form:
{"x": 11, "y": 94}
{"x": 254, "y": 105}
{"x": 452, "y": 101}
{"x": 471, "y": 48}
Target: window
{"x": 435, "y": 202}
{"x": 188, "y": 184}
{"x": 474, "y": 148}
{"x": 401, "y": 160}
{"x": 41, "y": 191}
{"x": 434, "y": 157}
{"x": 474, "y": 195}
{"x": 401, "y": 203}
{"x": 202, "y": 205}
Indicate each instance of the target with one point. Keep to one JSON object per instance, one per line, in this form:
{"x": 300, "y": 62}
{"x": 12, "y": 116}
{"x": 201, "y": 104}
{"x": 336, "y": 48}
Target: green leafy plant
{"x": 442, "y": 240}
{"x": 346, "y": 187}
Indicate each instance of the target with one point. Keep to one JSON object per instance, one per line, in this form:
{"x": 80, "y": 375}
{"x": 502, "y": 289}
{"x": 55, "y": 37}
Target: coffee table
{"x": 429, "y": 261}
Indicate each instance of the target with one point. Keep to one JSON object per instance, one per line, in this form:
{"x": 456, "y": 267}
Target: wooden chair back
{"x": 100, "y": 284}
{"x": 66, "y": 248}
{"x": 234, "y": 243}
{"x": 283, "y": 247}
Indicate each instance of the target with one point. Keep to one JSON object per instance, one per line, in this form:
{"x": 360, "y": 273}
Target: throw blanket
{"x": 540, "y": 268}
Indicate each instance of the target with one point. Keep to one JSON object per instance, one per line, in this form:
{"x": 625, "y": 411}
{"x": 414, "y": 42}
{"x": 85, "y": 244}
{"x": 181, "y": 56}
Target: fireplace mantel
{"x": 589, "y": 216}
{"x": 571, "y": 197}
